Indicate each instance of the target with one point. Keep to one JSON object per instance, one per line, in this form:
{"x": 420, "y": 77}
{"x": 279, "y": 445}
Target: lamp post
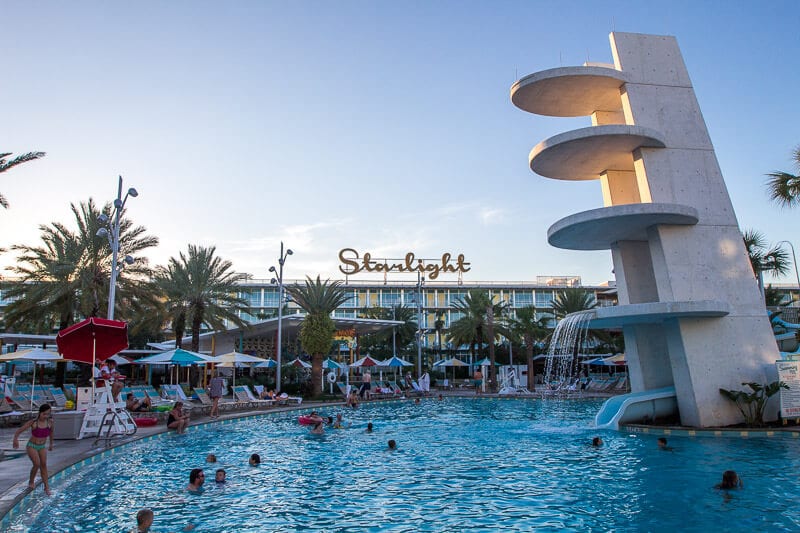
{"x": 278, "y": 272}
{"x": 794, "y": 260}
{"x": 420, "y": 279}
{"x": 113, "y": 240}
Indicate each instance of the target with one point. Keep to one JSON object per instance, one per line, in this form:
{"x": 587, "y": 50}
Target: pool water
{"x": 461, "y": 464}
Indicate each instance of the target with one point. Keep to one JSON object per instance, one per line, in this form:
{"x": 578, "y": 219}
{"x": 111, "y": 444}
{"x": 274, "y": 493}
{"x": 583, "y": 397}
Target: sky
{"x": 381, "y": 126}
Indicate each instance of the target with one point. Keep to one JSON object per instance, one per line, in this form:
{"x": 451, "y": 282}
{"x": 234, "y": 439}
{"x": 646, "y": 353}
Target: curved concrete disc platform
{"x": 599, "y": 229}
{"x": 586, "y": 153}
{"x": 569, "y": 91}
{"x": 657, "y": 312}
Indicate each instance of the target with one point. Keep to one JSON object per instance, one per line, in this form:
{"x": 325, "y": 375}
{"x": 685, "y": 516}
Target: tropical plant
{"x": 784, "y": 187}
{"x": 318, "y": 299}
{"x": 763, "y": 258}
{"x": 438, "y": 327}
{"x": 380, "y": 344}
{"x": 201, "y": 289}
{"x": 752, "y": 404}
{"x": 482, "y": 321}
{"x": 6, "y": 164}
{"x": 67, "y": 277}
{"x": 532, "y": 329}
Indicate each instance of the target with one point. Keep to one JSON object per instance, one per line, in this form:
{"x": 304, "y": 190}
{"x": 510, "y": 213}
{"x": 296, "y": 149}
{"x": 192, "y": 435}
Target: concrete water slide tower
{"x": 690, "y": 308}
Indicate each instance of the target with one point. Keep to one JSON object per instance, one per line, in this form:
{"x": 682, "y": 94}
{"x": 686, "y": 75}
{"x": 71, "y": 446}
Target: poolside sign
{"x": 353, "y": 263}
{"x": 789, "y": 373}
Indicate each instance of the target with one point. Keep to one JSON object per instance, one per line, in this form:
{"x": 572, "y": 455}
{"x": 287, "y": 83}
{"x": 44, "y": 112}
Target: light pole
{"x": 794, "y": 260}
{"x": 420, "y": 279}
{"x": 279, "y": 281}
{"x": 113, "y": 240}
{"x": 394, "y": 331}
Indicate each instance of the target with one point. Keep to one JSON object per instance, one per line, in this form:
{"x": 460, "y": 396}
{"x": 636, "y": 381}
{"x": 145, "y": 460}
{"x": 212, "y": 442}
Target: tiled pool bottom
{"x": 461, "y": 464}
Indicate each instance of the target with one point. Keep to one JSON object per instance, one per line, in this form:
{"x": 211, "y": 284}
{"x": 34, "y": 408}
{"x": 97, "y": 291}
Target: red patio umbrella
{"x": 94, "y": 339}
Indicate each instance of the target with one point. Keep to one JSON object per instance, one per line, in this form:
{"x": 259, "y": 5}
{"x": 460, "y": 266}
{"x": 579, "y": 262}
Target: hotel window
{"x": 252, "y": 297}
{"x": 271, "y": 298}
{"x": 390, "y": 297}
{"x": 455, "y": 296}
{"x": 523, "y": 299}
{"x": 352, "y": 298}
{"x": 344, "y": 313}
{"x": 544, "y": 298}
{"x": 410, "y": 298}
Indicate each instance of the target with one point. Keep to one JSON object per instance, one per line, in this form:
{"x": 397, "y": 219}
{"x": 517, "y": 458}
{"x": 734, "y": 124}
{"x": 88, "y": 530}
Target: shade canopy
{"x": 237, "y": 358}
{"x": 487, "y": 362}
{"x": 366, "y": 361}
{"x": 33, "y": 354}
{"x": 268, "y": 363}
{"x": 450, "y": 362}
{"x": 330, "y": 364}
{"x": 178, "y": 356}
{"x": 299, "y": 363}
{"x": 396, "y": 362}
{"x": 93, "y": 339}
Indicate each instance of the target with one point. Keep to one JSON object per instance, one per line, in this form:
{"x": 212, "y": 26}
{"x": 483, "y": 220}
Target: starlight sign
{"x": 353, "y": 263}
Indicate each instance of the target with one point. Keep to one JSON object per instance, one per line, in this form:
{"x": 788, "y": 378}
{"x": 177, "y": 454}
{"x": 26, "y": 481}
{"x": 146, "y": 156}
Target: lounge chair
{"x": 10, "y": 416}
{"x": 255, "y": 400}
{"x": 416, "y": 389}
{"x": 71, "y": 392}
{"x": 284, "y": 399}
{"x": 19, "y": 401}
{"x": 58, "y": 396}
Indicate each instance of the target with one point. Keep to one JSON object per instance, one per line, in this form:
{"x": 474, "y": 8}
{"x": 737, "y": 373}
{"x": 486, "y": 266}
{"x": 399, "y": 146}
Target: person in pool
{"x": 392, "y": 445}
{"x": 255, "y": 460}
{"x": 730, "y": 480}
{"x": 597, "y": 442}
{"x": 41, "y": 430}
{"x": 219, "y": 476}
{"x": 318, "y": 429}
{"x": 339, "y": 423}
{"x": 369, "y": 427}
{"x": 662, "y": 445}
{"x": 196, "y": 480}
{"x": 144, "y": 519}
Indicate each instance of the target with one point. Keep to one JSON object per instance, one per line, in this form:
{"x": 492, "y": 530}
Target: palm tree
{"x": 67, "y": 276}
{"x": 773, "y": 260}
{"x": 531, "y": 330}
{"x": 318, "y": 299}
{"x": 201, "y": 289}
{"x": 438, "y": 326}
{"x": 482, "y": 320}
{"x": 6, "y": 164}
{"x": 784, "y": 187}
{"x": 380, "y": 343}
{"x": 573, "y": 300}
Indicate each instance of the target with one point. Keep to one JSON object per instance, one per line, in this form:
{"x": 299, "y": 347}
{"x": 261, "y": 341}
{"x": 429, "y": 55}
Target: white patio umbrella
{"x": 454, "y": 362}
{"x": 35, "y": 355}
{"x": 234, "y": 359}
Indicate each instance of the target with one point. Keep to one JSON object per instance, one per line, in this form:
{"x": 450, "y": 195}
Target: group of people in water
{"x": 730, "y": 479}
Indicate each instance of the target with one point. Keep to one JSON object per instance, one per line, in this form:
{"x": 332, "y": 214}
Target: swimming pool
{"x": 461, "y": 464}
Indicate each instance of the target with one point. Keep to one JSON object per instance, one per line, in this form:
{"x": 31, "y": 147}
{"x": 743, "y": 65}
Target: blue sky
{"x": 381, "y": 126}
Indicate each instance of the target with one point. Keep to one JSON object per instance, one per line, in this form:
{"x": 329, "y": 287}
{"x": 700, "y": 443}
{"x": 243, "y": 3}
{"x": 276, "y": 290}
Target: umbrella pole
{"x": 33, "y": 389}
{"x": 94, "y": 362}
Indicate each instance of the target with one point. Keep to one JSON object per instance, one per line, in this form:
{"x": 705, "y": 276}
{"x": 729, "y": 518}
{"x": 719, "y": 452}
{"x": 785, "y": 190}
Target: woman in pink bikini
{"x": 41, "y": 429}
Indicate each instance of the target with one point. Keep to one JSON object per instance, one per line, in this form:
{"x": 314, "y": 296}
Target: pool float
{"x": 306, "y": 420}
{"x": 145, "y": 422}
